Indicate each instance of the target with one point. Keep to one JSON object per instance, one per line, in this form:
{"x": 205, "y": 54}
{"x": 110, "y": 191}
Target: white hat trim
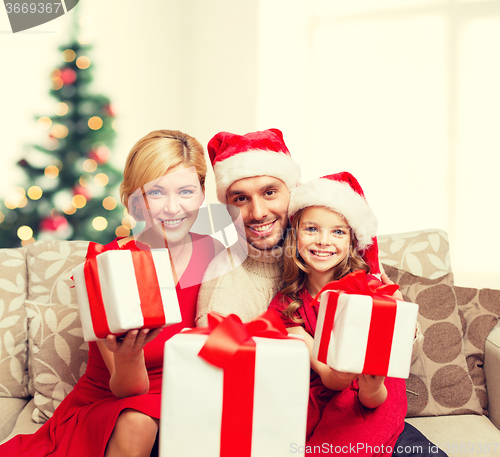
{"x": 341, "y": 198}
{"x": 252, "y": 163}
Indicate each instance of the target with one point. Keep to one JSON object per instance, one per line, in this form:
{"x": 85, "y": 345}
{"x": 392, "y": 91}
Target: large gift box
{"x": 234, "y": 390}
{"x": 120, "y": 290}
{"x": 362, "y": 329}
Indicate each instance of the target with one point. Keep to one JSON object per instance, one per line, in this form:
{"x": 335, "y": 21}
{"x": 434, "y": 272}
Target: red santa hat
{"x": 261, "y": 153}
{"x": 342, "y": 193}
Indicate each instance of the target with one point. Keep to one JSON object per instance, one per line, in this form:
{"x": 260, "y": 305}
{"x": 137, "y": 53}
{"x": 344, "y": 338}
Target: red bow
{"x": 383, "y": 319}
{"x": 230, "y": 346}
{"x": 358, "y": 283}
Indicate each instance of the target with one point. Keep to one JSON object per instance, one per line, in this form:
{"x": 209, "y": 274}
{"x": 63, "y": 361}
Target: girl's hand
{"x": 385, "y": 280}
{"x": 133, "y": 342}
{"x": 335, "y": 380}
{"x": 372, "y": 391}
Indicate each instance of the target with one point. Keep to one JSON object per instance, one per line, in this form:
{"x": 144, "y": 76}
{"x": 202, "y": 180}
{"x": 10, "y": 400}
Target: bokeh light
{"x": 122, "y": 231}
{"x": 61, "y": 109}
{"x": 99, "y": 223}
{"x": 35, "y": 192}
{"x": 95, "y": 123}
{"x": 59, "y": 131}
{"x": 69, "y": 55}
{"x": 51, "y": 172}
{"x": 44, "y": 123}
{"x": 89, "y": 165}
{"x": 79, "y": 201}
{"x": 101, "y": 179}
{"x": 83, "y": 62}
{"x": 24, "y": 232}
{"x": 109, "y": 203}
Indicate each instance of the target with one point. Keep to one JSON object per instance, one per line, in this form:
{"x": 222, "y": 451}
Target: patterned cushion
{"x": 58, "y": 352}
{"x": 439, "y": 383}
{"x": 425, "y": 253}
{"x": 479, "y": 311}
{"x": 13, "y": 329}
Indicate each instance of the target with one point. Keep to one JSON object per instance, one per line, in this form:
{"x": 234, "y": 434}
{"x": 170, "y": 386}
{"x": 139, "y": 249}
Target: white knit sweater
{"x": 245, "y": 290}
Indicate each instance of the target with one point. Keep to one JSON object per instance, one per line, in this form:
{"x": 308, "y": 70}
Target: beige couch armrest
{"x": 492, "y": 372}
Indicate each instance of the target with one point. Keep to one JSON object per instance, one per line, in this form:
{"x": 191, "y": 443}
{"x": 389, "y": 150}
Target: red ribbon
{"x": 383, "y": 319}
{"x": 230, "y": 346}
{"x": 147, "y": 283}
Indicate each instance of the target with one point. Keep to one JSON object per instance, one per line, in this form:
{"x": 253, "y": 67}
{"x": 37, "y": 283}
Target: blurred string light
{"x": 85, "y": 180}
{"x": 51, "y": 172}
{"x": 69, "y": 209}
{"x": 56, "y": 79}
{"x": 61, "y": 109}
{"x": 69, "y": 55}
{"x": 128, "y": 222}
{"x": 59, "y": 131}
{"x": 16, "y": 198}
{"x": 83, "y": 62}
{"x": 99, "y": 223}
{"x": 35, "y": 192}
{"x": 44, "y": 123}
{"x": 122, "y": 231}
{"x": 101, "y": 179}
{"x": 89, "y": 166}
{"x": 95, "y": 123}
{"x": 24, "y": 232}
{"x": 109, "y": 203}
{"x": 79, "y": 201}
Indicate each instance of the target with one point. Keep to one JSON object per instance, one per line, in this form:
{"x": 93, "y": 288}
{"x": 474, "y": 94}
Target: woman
{"x": 114, "y": 409}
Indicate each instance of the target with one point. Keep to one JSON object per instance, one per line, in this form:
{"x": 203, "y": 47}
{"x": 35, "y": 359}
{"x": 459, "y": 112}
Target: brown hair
{"x": 153, "y": 155}
{"x": 295, "y": 270}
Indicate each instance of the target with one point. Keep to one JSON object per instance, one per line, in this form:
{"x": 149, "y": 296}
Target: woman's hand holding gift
{"x": 124, "y": 358}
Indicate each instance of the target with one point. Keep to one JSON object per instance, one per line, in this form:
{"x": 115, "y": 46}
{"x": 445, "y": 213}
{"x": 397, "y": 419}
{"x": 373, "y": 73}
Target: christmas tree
{"x": 71, "y": 188}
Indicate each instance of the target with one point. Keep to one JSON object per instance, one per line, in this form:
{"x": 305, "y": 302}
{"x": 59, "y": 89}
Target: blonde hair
{"x": 153, "y": 155}
{"x": 295, "y": 270}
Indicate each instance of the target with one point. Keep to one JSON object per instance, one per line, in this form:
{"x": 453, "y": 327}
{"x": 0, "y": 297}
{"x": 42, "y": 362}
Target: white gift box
{"x": 349, "y": 338}
{"x": 119, "y": 288}
{"x": 192, "y": 399}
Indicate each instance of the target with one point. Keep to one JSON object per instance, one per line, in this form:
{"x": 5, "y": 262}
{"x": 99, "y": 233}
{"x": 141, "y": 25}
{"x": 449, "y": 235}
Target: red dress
{"x": 83, "y": 422}
{"x": 336, "y": 420}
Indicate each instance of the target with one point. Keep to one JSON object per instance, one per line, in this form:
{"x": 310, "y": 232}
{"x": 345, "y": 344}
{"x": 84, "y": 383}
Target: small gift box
{"x": 234, "y": 389}
{"x": 120, "y": 290}
{"x": 363, "y": 329}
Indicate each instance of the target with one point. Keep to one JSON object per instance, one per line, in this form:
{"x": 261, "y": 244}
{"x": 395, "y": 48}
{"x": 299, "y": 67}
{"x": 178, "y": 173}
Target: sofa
{"x": 454, "y": 386}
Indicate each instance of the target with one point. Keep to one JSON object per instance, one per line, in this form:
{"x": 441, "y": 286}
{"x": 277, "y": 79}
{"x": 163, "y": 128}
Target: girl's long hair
{"x": 295, "y": 270}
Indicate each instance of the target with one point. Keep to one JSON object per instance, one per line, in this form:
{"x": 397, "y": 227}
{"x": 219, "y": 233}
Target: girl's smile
{"x": 323, "y": 238}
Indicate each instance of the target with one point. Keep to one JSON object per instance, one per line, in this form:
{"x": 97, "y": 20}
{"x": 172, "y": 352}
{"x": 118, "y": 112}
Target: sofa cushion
{"x": 439, "y": 382}
{"x": 58, "y": 354}
{"x": 460, "y": 436}
{"x": 10, "y": 408}
{"x": 479, "y": 311}
{"x": 23, "y": 424}
{"x": 424, "y": 253}
{"x": 13, "y": 329}
{"x": 50, "y": 265}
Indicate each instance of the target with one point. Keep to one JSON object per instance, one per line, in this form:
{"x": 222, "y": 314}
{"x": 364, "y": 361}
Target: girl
{"x": 114, "y": 409}
{"x": 332, "y": 234}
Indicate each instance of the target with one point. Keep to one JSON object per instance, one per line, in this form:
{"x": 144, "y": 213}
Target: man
{"x": 255, "y": 173}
